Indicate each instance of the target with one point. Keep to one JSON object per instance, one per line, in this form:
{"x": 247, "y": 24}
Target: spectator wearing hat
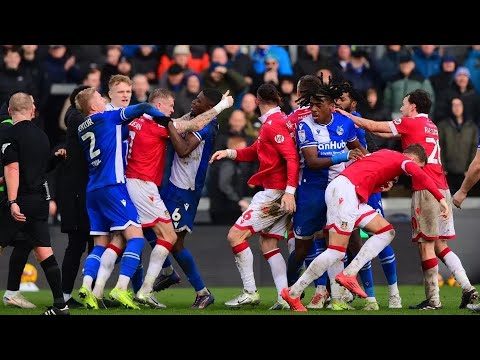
{"x": 182, "y": 55}
{"x": 406, "y": 80}
{"x": 445, "y": 77}
{"x": 458, "y": 136}
{"x": 427, "y": 60}
{"x": 222, "y": 77}
{"x": 461, "y": 87}
{"x": 472, "y": 63}
{"x": 145, "y": 61}
{"x": 270, "y": 75}
{"x": 173, "y": 79}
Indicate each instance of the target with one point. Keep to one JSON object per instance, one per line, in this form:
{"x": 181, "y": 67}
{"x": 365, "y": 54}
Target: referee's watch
{"x": 10, "y": 202}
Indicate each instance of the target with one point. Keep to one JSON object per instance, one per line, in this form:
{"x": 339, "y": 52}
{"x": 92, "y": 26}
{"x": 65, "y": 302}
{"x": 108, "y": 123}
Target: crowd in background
{"x": 383, "y": 74}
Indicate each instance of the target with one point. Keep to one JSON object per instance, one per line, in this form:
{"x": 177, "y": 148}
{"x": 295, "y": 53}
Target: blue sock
{"x": 318, "y": 247}
{"x": 366, "y": 276}
{"x": 167, "y": 262}
{"x": 186, "y": 262}
{"x": 150, "y": 236}
{"x": 389, "y": 264}
{"x": 137, "y": 278}
{"x": 293, "y": 268}
{"x": 131, "y": 257}
{"x": 92, "y": 263}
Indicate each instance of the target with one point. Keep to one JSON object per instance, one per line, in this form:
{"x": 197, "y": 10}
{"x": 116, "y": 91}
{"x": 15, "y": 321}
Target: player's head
{"x": 163, "y": 100}
{"x": 75, "y": 92}
{"x": 416, "y": 102}
{"x": 21, "y": 105}
{"x": 321, "y": 99}
{"x": 416, "y": 153}
{"x": 206, "y": 100}
{"x": 267, "y": 94}
{"x": 348, "y": 101}
{"x": 120, "y": 90}
{"x": 305, "y": 83}
{"x": 89, "y": 101}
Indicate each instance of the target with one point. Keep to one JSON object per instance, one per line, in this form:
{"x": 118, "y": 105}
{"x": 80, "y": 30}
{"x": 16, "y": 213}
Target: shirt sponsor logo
{"x": 279, "y": 139}
{"x": 332, "y": 145}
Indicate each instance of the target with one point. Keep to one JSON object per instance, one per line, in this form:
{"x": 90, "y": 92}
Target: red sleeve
{"x": 402, "y": 125}
{"x": 280, "y": 138}
{"x": 248, "y": 154}
{"x": 422, "y": 179}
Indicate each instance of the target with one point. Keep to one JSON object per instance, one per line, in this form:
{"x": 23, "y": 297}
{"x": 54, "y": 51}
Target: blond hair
{"x": 82, "y": 100}
{"x": 20, "y": 102}
{"x": 117, "y": 79}
{"x": 160, "y": 93}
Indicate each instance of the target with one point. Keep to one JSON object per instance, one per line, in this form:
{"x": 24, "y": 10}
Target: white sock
{"x": 67, "y": 297}
{"x": 203, "y": 291}
{"x": 122, "y": 283}
{"x": 291, "y": 245}
{"x": 167, "y": 271}
{"x": 10, "y": 293}
{"x": 333, "y": 271}
{"x": 278, "y": 267}
{"x": 107, "y": 263}
{"x": 157, "y": 258}
{"x": 454, "y": 264}
{"x": 87, "y": 282}
{"x": 393, "y": 290}
{"x": 369, "y": 250}
{"x": 244, "y": 262}
{"x": 371, "y": 299}
{"x": 316, "y": 268}
{"x": 432, "y": 292}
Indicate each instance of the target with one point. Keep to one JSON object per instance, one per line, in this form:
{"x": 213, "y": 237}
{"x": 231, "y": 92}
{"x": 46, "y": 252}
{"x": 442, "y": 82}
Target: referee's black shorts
{"x": 35, "y": 229}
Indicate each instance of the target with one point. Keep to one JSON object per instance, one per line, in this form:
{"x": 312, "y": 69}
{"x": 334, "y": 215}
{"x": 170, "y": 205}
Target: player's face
{"x": 344, "y": 102}
{"x": 321, "y": 110}
{"x": 406, "y": 108}
{"x": 120, "y": 94}
{"x": 200, "y": 104}
{"x": 165, "y": 105}
{"x": 97, "y": 103}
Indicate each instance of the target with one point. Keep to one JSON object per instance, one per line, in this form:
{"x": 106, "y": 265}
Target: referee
{"x": 25, "y": 154}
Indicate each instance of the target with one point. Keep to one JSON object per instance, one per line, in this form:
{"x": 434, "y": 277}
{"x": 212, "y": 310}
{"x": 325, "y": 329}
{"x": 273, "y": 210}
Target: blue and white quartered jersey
{"x": 110, "y": 107}
{"x": 190, "y": 172}
{"x": 361, "y": 135}
{"x": 329, "y": 139}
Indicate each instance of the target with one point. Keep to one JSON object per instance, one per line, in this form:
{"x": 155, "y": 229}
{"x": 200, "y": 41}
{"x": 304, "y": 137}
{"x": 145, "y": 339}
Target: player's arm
{"x": 248, "y": 154}
{"x": 386, "y": 135}
{"x": 134, "y": 111}
{"x": 367, "y": 124}
{"x": 200, "y": 121}
{"x": 423, "y": 180}
{"x": 355, "y": 144}
{"x": 471, "y": 178}
{"x": 183, "y": 146}
{"x": 12, "y": 177}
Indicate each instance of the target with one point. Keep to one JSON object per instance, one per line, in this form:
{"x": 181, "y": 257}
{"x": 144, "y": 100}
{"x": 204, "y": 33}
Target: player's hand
{"x": 444, "y": 211}
{"x": 162, "y": 120}
{"x": 458, "y": 198}
{"x": 243, "y": 205}
{"x": 343, "y": 112}
{"x": 220, "y": 154}
{"x": 61, "y": 152}
{"x": 16, "y": 213}
{"x": 225, "y": 103}
{"x": 288, "y": 203}
{"x": 388, "y": 186}
{"x": 355, "y": 154}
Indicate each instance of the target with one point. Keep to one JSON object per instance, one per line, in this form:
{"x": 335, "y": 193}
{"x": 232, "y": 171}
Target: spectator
{"x": 145, "y": 61}
{"x": 443, "y": 80}
{"x": 388, "y": 64}
{"x": 341, "y": 58}
{"x": 88, "y": 56}
{"x": 472, "y": 63}
{"x": 287, "y": 90}
{"x": 239, "y": 61}
{"x": 310, "y": 60}
{"x": 427, "y": 60}
{"x": 359, "y": 72}
{"x": 114, "y": 53}
{"x": 458, "y": 136}
{"x": 183, "y": 102}
{"x": 125, "y": 67}
{"x": 182, "y": 55}
{"x": 259, "y": 57}
{"x": 173, "y": 80}
{"x": 270, "y": 75}
{"x": 250, "y": 109}
{"x": 140, "y": 89}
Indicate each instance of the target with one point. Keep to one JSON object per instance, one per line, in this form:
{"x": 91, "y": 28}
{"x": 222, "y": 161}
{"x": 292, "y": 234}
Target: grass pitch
{"x": 179, "y": 301}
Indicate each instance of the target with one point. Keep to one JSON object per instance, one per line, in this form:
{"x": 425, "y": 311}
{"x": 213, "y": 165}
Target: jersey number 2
{"x": 434, "y": 157}
{"x": 91, "y": 136}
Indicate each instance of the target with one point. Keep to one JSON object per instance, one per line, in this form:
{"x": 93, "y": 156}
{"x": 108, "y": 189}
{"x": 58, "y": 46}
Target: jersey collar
{"x": 268, "y": 113}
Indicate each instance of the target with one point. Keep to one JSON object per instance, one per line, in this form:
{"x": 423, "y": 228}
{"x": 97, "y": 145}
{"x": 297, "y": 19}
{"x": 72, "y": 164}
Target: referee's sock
{"x": 54, "y": 278}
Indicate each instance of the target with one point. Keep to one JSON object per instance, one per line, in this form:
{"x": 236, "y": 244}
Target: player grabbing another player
{"x": 347, "y": 209}
{"x": 270, "y": 209}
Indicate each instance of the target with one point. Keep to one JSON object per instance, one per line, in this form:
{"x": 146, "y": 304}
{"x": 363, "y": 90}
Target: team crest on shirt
{"x": 340, "y": 130}
{"x": 279, "y": 139}
{"x": 298, "y": 230}
{"x": 301, "y": 136}
{"x": 344, "y": 225}
{"x": 397, "y": 121}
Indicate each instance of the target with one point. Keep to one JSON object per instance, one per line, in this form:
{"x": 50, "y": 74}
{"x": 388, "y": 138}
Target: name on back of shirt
{"x": 87, "y": 123}
{"x": 429, "y": 130}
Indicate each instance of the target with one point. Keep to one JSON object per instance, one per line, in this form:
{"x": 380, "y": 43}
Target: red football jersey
{"x": 295, "y": 117}
{"x": 373, "y": 171}
{"x": 276, "y": 152}
{"x": 420, "y": 129}
{"x": 147, "y": 145}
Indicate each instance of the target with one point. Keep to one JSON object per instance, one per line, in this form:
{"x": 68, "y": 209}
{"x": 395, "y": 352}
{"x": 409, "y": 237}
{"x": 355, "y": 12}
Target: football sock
{"x": 187, "y": 263}
{"x": 244, "y": 261}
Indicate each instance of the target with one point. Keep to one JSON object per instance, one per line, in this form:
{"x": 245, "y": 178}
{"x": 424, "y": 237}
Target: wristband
{"x": 222, "y": 105}
{"x": 290, "y": 190}
{"x": 340, "y": 157}
{"x": 231, "y": 154}
{"x": 10, "y": 202}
